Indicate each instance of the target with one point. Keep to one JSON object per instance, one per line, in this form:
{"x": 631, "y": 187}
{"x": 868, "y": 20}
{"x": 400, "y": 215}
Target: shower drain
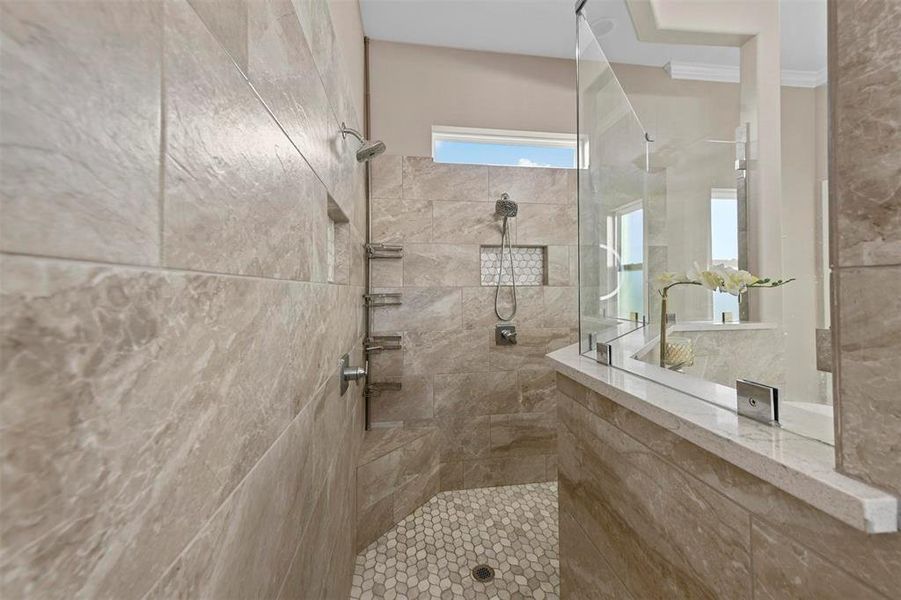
{"x": 483, "y": 573}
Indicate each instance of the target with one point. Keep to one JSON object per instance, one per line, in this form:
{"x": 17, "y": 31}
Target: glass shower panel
{"x": 612, "y": 199}
{"x": 680, "y": 200}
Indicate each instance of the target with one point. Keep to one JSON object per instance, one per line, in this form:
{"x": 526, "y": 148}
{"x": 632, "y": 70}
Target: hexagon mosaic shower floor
{"x": 431, "y": 553}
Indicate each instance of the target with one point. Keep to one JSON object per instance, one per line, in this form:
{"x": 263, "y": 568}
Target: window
{"x": 463, "y": 145}
{"x": 724, "y": 244}
{"x": 630, "y": 247}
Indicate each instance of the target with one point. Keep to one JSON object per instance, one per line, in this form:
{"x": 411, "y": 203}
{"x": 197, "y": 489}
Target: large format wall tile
{"x": 183, "y": 359}
{"x": 869, "y": 360}
{"x": 440, "y": 265}
{"x": 387, "y": 177}
{"x": 465, "y": 223}
{"x": 533, "y": 185}
{"x": 427, "y": 180}
{"x": 423, "y": 309}
{"x": 247, "y": 547}
{"x": 316, "y": 21}
{"x": 473, "y": 394}
{"x": 251, "y": 208}
{"x": 227, "y": 21}
{"x": 531, "y": 347}
{"x": 537, "y": 388}
{"x": 874, "y": 559}
{"x": 784, "y": 568}
{"x": 395, "y": 484}
{"x": 439, "y": 352}
{"x": 645, "y": 516}
{"x": 547, "y": 224}
{"x": 398, "y": 220}
{"x": 439, "y": 212}
{"x": 463, "y": 437}
{"x": 503, "y": 471}
{"x": 561, "y": 307}
{"x": 346, "y": 174}
{"x": 525, "y": 433}
{"x": 585, "y": 574}
{"x": 142, "y": 408}
{"x": 323, "y": 560}
{"x": 478, "y": 307}
{"x": 865, "y": 78}
{"x": 80, "y": 129}
{"x": 562, "y": 266}
{"x": 282, "y": 70}
{"x": 413, "y": 401}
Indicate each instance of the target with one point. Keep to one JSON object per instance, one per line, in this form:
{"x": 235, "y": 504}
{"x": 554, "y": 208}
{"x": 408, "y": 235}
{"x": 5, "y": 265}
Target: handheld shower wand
{"x": 507, "y": 209}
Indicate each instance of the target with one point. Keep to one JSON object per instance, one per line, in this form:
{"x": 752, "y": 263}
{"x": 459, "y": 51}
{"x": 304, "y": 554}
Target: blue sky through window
{"x": 517, "y": 155}
{"x": 724, "y": 248}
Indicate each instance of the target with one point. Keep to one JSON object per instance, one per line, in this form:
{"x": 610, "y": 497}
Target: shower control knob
{"x": 354, "y": 373}
{"x": 504, "y": 334}
{"x": 347, "y": 373}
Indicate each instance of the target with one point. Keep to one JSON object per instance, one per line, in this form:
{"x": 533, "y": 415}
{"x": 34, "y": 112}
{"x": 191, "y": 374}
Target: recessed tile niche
{"x": 337, "y": 237}
{"x": 528, "y": 265}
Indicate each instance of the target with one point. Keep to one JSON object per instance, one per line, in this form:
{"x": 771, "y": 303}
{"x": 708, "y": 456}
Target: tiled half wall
{"x": 646, "y": 514}
{"x": 493, "y": 406}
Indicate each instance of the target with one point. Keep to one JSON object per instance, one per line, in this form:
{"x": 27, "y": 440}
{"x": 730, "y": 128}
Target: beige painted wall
{"x": 414, "y": 87}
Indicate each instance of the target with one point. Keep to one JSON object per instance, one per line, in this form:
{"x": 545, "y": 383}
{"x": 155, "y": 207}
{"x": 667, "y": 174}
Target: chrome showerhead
{"x": 368, "y": 149}
{"x": 505, "y": 207}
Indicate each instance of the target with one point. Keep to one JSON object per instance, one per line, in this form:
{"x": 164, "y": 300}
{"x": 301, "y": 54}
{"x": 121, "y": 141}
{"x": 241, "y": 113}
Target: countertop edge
{"x": 800, "y": 466}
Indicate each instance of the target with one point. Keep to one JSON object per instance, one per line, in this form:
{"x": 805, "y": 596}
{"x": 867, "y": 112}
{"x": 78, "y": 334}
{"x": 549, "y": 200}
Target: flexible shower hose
{"x": 505, "y": 240}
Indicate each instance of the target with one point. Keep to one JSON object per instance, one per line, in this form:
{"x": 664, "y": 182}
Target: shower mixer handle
{"x": 346, "y": 373}
{"x": 355, "y": 373}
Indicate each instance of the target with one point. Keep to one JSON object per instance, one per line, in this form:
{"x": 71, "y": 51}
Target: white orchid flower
{"x": 710, "y": 280}
{"x": 747, "y": 278}
{"x": 734, "y": 284}
{"x": 694, "y": 273}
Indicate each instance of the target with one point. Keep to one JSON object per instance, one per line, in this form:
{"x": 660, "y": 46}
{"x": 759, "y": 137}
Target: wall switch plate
{"x": 757, "y": 401}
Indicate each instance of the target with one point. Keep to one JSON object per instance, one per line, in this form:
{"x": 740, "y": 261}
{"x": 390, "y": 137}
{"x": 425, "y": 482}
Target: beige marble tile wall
{"x": 493, "y": 406}
{"x": 865, "y": 240}
{"x": 646, "y": 514}
{"x": 397, "y": 472}
{"x": 171, "y": 420}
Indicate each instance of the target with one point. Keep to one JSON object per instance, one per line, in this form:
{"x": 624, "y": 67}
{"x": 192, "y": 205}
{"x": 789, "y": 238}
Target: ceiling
{"x": 547, "y": 28}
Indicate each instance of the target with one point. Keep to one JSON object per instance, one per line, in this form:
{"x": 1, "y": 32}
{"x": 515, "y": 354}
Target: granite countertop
{"x": 798, "y": 465}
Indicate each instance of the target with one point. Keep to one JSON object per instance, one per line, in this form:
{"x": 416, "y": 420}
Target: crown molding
{"x": 732, "y": 74}
{"x": 703, "y": 72}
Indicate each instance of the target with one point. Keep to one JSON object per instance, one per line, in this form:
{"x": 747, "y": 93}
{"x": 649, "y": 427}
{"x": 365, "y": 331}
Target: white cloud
{"x": 525, "y": 162}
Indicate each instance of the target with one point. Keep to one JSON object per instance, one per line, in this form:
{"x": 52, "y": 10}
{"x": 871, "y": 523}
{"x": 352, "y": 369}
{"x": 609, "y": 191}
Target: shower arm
{"x": 349, "y": 130}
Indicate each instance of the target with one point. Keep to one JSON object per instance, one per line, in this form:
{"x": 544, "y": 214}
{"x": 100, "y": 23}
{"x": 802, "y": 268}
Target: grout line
{"x": 865, "y": 267}
{"x": 751, "y": 553}
{"x": 315, "y": 503}
{"x": 235, "y": 489}
{"x": 165, "y": 269}
{"x": 164, "y": 136}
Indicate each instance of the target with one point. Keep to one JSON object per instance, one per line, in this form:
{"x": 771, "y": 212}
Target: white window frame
{"x": 507, "y": 137}
{"x": 618, "y": 215}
